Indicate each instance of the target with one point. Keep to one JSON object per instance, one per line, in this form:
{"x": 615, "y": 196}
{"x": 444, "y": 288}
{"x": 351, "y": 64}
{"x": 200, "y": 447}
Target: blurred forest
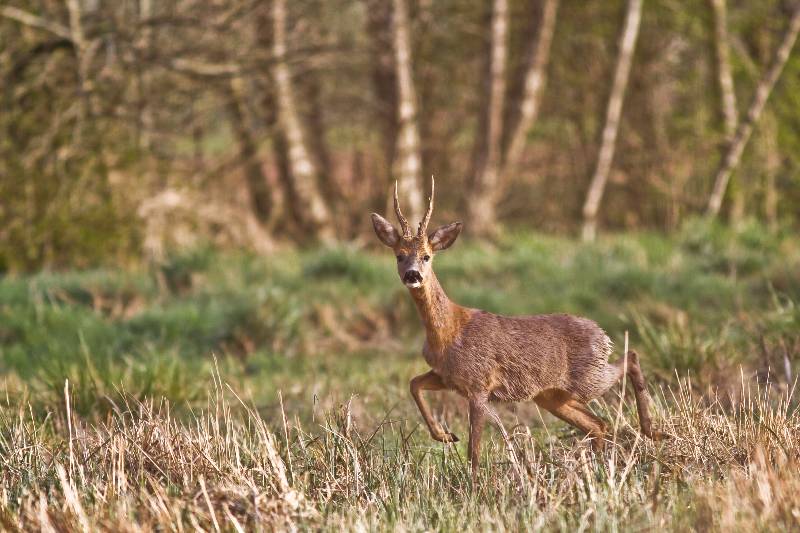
{"x": 132, "y": 127}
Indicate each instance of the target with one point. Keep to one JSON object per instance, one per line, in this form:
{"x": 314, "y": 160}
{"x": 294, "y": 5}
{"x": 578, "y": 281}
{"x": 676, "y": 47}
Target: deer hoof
{"x": 445, "y": 437}
{"x": 598, "y": 444}
{"x": 659, "y": 435}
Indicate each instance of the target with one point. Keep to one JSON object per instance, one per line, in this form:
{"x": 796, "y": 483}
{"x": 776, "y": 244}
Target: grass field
{"x": 233, "y": 392}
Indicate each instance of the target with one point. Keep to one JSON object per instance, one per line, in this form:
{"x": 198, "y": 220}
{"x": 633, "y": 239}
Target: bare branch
{"x": 205, "y": 69}
{"x": 613, "y": 114}
{"x": 535, "y": 79}
{"x": 34, "y": 21}
{"x": 745, "y": 129}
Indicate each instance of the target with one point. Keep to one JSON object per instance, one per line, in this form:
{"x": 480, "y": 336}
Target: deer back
{"x": 515, "y": 358}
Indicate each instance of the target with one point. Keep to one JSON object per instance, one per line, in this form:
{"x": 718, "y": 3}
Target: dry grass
{"x": 728, "y": 463}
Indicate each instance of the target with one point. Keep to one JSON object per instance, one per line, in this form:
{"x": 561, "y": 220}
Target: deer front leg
{"x": 430, "y": 381}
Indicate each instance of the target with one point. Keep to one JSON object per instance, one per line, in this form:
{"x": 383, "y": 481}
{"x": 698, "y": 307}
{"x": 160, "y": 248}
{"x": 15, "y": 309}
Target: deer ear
{"x": 443, "y": 237}
{"x": 384, "y": 230}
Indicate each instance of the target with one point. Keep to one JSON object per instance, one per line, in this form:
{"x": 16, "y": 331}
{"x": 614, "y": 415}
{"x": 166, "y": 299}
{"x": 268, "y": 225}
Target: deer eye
{"x": 426, "y": 258}
{"x": 400, "y": 257}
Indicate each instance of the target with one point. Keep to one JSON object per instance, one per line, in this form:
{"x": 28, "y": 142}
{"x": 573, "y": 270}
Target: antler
{"x": 423, "y": 224}
{"x": 403, "y": 221}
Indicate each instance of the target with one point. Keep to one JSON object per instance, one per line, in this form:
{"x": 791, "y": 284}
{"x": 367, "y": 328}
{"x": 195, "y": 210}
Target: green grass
{"x": 326, "y": 328}
{"x": 701, "y": 301}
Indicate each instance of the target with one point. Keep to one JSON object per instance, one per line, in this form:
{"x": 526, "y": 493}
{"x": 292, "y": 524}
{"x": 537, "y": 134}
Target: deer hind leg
{"x": 477, "y": 418}
{"x": 430, "y": 381}
{"x": 478, "y": 409}
{"x": 640, "y": 392}
{"x": 572, "y": 411}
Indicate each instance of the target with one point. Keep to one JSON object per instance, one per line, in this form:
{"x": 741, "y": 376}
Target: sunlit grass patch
{"x": 226, "y": 466}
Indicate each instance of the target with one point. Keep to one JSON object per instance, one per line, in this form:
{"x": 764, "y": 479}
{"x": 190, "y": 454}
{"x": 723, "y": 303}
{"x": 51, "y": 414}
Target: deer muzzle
{"x": 412, "y": 278}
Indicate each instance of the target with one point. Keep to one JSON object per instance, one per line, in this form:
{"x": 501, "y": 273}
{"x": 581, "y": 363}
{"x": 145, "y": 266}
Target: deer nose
{"x": 412, "y": 276}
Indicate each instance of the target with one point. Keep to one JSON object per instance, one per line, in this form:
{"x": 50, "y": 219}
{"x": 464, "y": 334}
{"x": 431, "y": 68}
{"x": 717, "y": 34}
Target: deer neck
{"x": 442, "y": 318}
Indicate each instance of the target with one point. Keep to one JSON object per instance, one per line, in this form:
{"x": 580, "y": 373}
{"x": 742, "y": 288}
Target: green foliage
{"x": 86, "y": 143}
{"x": 337, "y": 264}
{"x": 702, "y": 303}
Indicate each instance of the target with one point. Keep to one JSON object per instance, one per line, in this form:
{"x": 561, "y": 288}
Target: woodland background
{"x": 133, "y": 127}
{"x": 199, "y": 329}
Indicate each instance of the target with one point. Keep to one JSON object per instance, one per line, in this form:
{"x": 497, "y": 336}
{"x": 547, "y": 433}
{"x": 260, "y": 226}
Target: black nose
{"x": 412, "y": 276}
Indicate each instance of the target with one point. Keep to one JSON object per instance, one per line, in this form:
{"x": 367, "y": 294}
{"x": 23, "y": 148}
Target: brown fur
{"x": 443, "y": 320}
{"x": 559, "y": 361}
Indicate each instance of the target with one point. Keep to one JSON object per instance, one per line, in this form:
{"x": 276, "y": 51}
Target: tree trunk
{"x": 196, "y": 126}
{"x": 408, "y": 162}
{"x": 311, "y": 91}
{"x": 145, "y": 45}
{"x": 535, "y": 79}
{"x": 283, "y": 215}
{"x": 77, "y": 35}
{"x": 745, "y": 129}
{"x": 613, "y": 113}
{"x": 384, "y": 75}
{"x": 83, "y": 57}
{"x": 772, "y": 167}
{"x": 487, "y": 154}
{"x": 283, "y": 212}
{"x": 727, "y": 92}
{"x": 724, "y": 71}
{"x": 771, "y": 201}
{"x": 257, "y": 187}
{"x": 311, "y": 207}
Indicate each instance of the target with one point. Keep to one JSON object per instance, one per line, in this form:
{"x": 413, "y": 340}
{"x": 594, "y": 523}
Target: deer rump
{"x": 527, "y": 355}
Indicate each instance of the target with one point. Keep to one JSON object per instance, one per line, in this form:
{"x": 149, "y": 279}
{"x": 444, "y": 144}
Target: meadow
{"x": 225, "y": 391}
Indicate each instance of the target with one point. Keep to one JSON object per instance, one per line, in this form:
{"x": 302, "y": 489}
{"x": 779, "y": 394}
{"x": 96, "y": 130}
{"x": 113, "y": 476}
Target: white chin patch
{"x": 414, "y": 285}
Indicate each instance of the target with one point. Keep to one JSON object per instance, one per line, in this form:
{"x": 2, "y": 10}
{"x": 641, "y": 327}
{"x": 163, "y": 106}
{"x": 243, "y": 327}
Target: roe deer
{"x": 559, "y": 361}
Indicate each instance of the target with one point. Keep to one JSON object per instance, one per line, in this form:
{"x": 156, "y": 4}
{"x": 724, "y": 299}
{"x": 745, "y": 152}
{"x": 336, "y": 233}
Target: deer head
{"x": 414, "y": 252}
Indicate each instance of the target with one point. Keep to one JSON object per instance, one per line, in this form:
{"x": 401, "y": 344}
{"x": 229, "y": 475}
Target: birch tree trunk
{"x": 745, "y": 129}
{"x": 76, "y": 32}
{"x": 408, "y": 161}
{"x": 283, "y": 210}
{"x": 145, "y": 43}
{"x": 310, "y": 205}
{"x": 724, "y": 71}
{"x": 535, "y": 79}
{"x": 82, "y": 55}
{"x": 727, "y": 92}
{"x": 487, "y": 153}
{"x": 605, "y": 156}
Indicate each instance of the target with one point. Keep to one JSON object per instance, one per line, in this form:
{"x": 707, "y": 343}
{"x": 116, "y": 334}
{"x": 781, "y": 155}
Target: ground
{"x": 227, "y": 391}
